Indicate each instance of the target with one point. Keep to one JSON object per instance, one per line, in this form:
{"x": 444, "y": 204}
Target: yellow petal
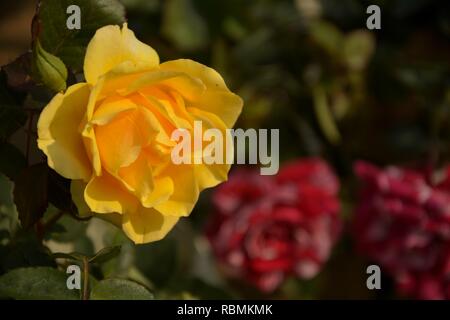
{"x": 226, "y": 105}
{"x": 147, "y": 225}
{"x": 105, "y": 194}
{"x": 210, "y": 175}
{"x": 185, "y": 193}
{"x": 110, "y": 108}
{"x": 163, "y": 189}
{"x": 121, "y": 140}
{"x": 217, "y": 98}
{"x": 90, "y": 144}
{"x": 210, "y": 77}
{"x": 188, "y": 86}
{"x": 112, "y": 46}
{"x": 138, "y": 177}
{"x": 58, "y": 134}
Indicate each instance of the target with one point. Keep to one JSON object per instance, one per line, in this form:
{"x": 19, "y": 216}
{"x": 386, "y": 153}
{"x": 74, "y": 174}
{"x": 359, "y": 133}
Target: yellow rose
{"x": 111, "y": 134}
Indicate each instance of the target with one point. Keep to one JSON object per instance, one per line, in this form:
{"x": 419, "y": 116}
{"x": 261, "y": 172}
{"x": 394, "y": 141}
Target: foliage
{"x": 309, "y": 67}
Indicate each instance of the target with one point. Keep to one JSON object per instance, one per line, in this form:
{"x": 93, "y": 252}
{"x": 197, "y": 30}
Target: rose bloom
{"x": 112, "y": 134}
{"x": 402, "y": 223}
{"x": 266, "y": 228}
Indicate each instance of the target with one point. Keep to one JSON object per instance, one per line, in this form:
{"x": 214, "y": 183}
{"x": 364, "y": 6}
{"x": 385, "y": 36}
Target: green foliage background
{"x": 309, "y": 67}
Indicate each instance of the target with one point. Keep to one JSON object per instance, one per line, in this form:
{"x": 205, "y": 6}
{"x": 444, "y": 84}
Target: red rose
{"x": 402, "y": 222}
{"x": 268, "y": 227}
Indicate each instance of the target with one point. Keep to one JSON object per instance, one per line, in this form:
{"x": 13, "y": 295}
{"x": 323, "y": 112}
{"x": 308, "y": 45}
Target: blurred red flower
{"x": 268, "y": 227}
{"x": 402, "y": 222}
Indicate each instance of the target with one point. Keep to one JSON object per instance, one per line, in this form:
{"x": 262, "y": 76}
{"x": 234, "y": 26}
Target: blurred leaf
{"x": 105, "y": 254}
{"x": 183, "y": 25}
{"x": 75, "y": 256}
{"x": 12, "y": 160}
{"x": 72, "y": 229}
{"x": 141, "y": 5}
{"x": 8, "y": 214}
{"x": 327, "y": 36}
{"x": 358, "y": 48}
{"x": 30, "y": 194}
{"x": 40, "y": 283}
{"x": 150, "y": 257}
{"x": 325, "y": 116}
{"x": 257, "y": 47}
{"x": 70, "y": 45}
{"x": 84, "y": 244}
{"x": 405, "y": 8}
{"x": 234, "y": 28}
{"x": 24, "y": 251}
{"x": 49, "y": 69}
{"x": 119, "y": 289}
{"x": 204, "y": 290}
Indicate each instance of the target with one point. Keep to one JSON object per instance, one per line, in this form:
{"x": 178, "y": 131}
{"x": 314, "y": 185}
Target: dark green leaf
{"x": 105, "y": 254}
{"x": 12, "y": 160}
{"x": 70, "y": 45}
{"x": 11, "y": 119}
{"x": 25, "y": 251}
{"x": 18, "y": 73}
{"x": 41, "y": 283}
{"x": 119, "y": 289}
{"x": 59, "y": 193}
{"x": 30, "y": 194}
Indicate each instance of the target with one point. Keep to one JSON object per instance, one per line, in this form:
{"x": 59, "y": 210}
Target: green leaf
{"x": 40, "y": 283}
{"x": 119, "y": 289}
{"x": 49, "y": 69}
{"x": 70, "y": 45}
{"x": 184, "y": 26}
{"x": 30, "y": 194}
{"x": 12, "y": 160}
{"x": 105, "y": 254}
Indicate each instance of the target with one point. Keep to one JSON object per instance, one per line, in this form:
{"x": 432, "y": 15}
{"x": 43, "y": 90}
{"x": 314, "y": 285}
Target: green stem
{"x": 85, "y": 278}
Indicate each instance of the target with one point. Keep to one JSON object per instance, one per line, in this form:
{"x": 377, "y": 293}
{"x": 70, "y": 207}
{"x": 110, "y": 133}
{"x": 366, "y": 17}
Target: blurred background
{"x": 336, "y": 91}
